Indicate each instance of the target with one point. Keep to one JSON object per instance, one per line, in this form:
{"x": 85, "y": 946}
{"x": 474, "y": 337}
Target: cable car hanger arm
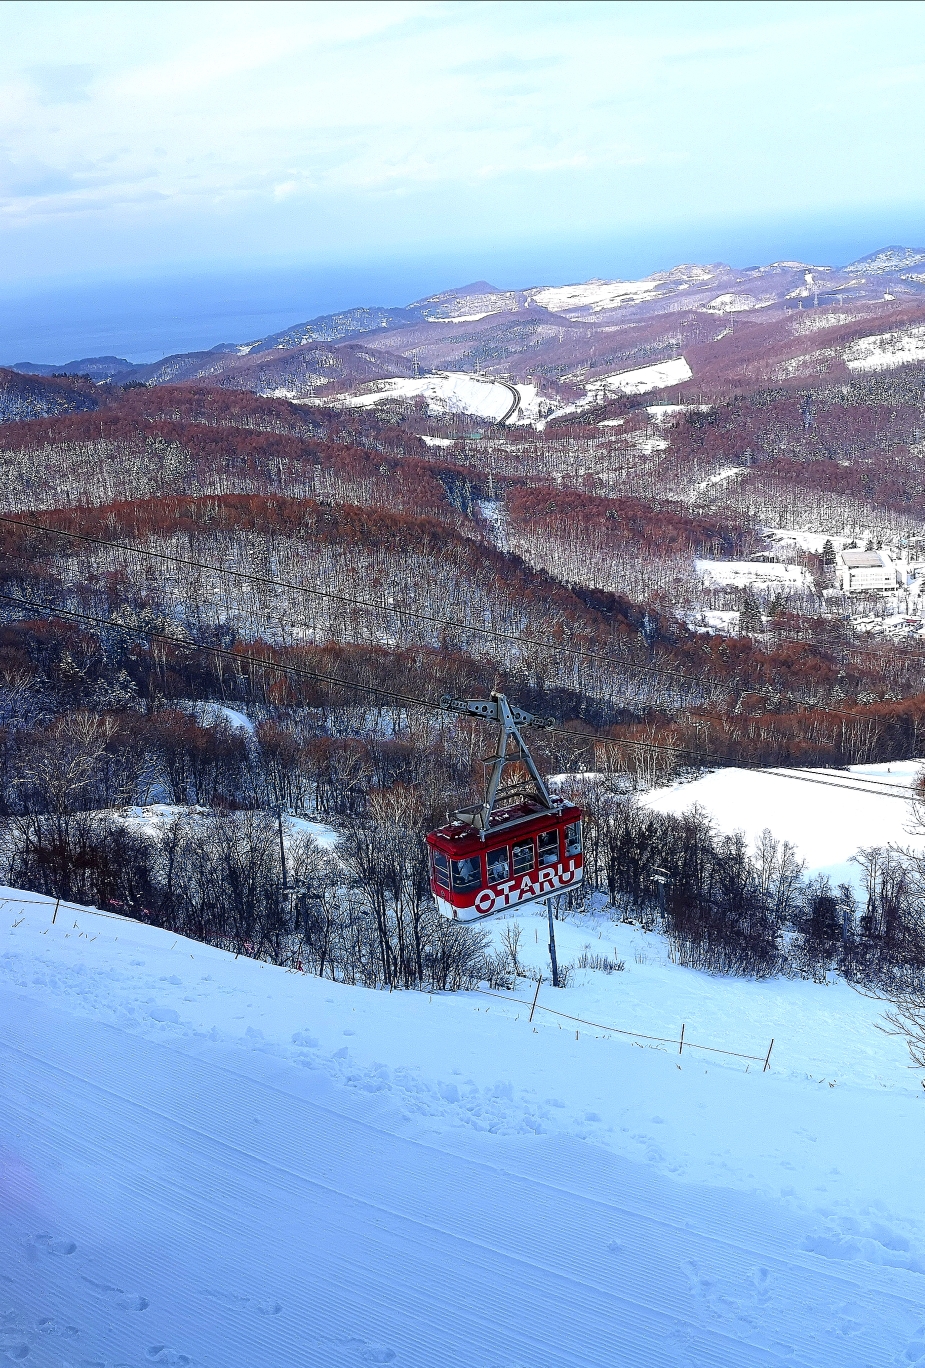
{"x": 509, "y": 719}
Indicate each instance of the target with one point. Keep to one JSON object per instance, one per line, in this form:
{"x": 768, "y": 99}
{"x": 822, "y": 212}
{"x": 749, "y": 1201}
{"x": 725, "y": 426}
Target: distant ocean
{"x": 145, "y": 319}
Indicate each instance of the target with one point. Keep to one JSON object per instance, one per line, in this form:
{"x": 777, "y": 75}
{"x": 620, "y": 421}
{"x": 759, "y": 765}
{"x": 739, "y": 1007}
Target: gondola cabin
{"x": 526, "y": 853}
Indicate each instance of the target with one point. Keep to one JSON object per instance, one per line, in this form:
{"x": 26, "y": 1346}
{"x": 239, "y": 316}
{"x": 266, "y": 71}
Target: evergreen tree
{"x": 750, "y": 620}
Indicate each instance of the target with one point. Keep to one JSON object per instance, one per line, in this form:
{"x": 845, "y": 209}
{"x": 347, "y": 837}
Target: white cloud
{"x": 388, "y": 116}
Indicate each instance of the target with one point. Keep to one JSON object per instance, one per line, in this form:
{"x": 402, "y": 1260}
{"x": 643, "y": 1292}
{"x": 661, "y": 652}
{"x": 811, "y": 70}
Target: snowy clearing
{"x": 641, "y": 380}
{"x": 458, "y": 392}
{"x": 720, "y": 477}
{"x": 742, "y": 574}
{"x": 809, "y": 540}
{"x": 210, "y": 1161}
{"x": 886, "y": 350}
{"x": 594, "y": 295}
{"x": 735, "y": 303}
{"x": 826, "y": 825}
{"x": 445, "y": 392}
{"x": 721, "y": 620}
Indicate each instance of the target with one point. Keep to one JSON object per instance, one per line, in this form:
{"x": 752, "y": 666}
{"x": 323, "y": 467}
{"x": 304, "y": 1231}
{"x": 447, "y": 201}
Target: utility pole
{"x": 660, "y": 877}
{"x": 552, "y": 945}
{"x": 282, "y": 848}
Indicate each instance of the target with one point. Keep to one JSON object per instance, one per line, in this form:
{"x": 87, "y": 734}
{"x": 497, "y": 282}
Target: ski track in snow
{"x": 181, "y": 1186}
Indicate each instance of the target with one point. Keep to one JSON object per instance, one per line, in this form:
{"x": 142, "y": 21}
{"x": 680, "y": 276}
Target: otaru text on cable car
{"x": 520, "y": 845}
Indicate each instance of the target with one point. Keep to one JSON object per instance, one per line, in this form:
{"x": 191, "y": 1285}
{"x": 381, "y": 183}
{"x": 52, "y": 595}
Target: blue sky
{"x": 177, "y": 174}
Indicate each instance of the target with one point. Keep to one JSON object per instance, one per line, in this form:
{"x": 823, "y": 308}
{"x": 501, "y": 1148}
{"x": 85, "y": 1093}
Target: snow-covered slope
{"x": 886, "y": 350}
{"x": 826, "y": 822}
{"x": 594, "y": 295}
{"x": 599, "y": 296}
{"x": 888, "y": 260}
{"x": 458, "y": 392}
{"x": 743, "y": 574}
{"x": 641, "y": 380}
{"x": 209, "y": 1161}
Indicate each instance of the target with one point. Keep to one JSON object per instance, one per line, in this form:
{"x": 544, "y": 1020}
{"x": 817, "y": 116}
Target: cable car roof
{"x": 525, "y": 819}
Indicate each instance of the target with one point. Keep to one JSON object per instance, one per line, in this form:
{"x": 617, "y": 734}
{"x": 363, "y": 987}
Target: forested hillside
{"x": 241, "y": 605}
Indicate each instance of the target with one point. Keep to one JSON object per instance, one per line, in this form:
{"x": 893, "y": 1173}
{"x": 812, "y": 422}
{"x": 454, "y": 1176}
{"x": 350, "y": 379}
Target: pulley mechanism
{"x": 511, "y": 749}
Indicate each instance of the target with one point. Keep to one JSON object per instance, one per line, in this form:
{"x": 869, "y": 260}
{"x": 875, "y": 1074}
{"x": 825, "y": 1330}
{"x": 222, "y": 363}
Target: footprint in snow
{"x": 377, "y": 1353}
{"x": 915, "y": 1349}
{"x": 17, "y": 1352}
{"x": 130, "y": 1303}
{"x": 124, "y": 1301}
{"x": 761, "y": 1279}
{"x": 171, "y": 1358}
{"x": 51, "y": 1244}
{"x": 51, "y": 1327}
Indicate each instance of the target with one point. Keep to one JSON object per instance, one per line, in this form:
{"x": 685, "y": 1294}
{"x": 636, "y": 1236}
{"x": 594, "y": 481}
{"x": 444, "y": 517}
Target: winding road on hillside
{"x": 515, "y": 400}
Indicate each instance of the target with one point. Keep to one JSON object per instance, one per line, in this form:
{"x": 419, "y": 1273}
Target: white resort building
{"x": 859, "y": 572}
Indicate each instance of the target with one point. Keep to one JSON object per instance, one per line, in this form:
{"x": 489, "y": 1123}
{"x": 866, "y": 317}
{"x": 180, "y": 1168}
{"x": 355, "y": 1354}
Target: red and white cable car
{"x": 520, "y": 846}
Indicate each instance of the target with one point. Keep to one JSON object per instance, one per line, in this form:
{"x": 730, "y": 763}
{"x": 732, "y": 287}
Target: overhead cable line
{"x": 352, "y": 601}
{"x": 298, "y": 671}
{"x": 367, "y": 605}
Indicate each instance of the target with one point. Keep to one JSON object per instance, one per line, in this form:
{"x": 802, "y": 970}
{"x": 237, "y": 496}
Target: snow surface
{"x": 639, "y": 381}
{"x": 735, "y": 303}
{"x": 210, "y": 1161}
{"x": 740, "y": 574}
{"x": 720, "y": 477}
{"x": 886, "y": 350}
{"x": 826, "y": 825}
{"x": 457, "y": 392}
{"x": 156, "y": 817}
{"x": 662, "y": 411}
{"x": 810, "y": 540}
{"x": 596, "y": 295}
{"x": 211, "y": 714}
{"x": 445, "y": 392}
{"x": 719, "y": 620}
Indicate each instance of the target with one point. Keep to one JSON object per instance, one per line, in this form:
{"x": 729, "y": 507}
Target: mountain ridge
{"x": 559, "y": 337}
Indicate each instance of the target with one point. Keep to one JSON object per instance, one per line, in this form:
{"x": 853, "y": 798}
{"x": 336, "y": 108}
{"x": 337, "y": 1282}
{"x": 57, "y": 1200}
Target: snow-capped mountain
{"x": 572, "y": 344}
{"x": 888, "y": 260}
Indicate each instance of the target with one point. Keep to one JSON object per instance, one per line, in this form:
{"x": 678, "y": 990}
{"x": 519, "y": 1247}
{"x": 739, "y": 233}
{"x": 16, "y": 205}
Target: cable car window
{"x": 466, "y": 874}
{"x": 499, "y": 866}
{"x": 573, "y": 838}
{"x": 441, "y": 869}
{"x": 548, "y": 842}
{"x": 523, "y": 857}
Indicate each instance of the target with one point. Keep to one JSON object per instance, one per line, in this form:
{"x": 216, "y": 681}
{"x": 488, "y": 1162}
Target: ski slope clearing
{"x": 595, "y": 295}
{"x": 209, "y": 1161}
{"x": 460, "y": 392}
{"x": 825, "y": 825}
{"x": 639, "y": 381}
{"x": 735, "y": 303}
